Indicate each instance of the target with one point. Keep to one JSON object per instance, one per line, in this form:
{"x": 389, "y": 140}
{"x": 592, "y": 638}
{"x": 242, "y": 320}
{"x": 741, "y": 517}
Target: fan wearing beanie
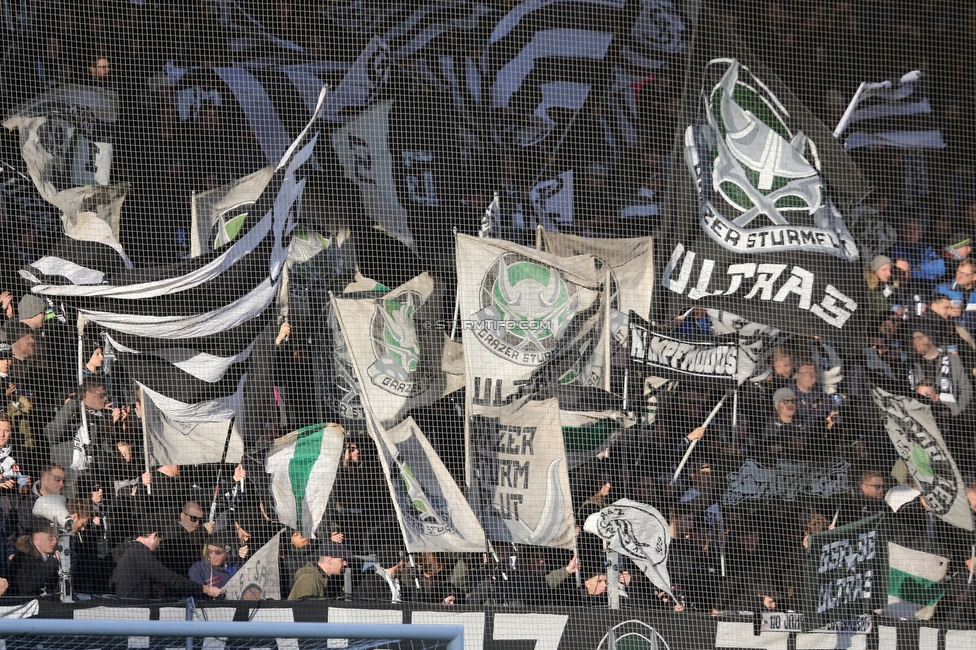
{"x": 884, "y": 287}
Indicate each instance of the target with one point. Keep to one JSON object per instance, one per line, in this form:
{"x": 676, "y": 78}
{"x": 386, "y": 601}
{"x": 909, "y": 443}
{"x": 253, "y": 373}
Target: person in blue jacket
{"x": 962, "y": 291}
{"x": 927, "y": 264}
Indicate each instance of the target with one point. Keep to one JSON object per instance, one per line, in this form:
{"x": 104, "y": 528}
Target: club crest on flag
{"x": 525, "y": 308}
{"x": 758, "y": 181}
{"x": 432, "y": 513}
{"x": 395, "y": 344}
{"x": 623, "y": 520}
{"x": 918, "y": 441}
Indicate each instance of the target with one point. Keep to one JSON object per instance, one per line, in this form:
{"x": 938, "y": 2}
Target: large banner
{"x": 552, "y": 628}
{"x": 845, "y": 573}
{"x": 520, "y": 487}
{"x": 519, "y": 308}
{"x": 758, "y": 208}
{"x": 724, "y": 357}
{"x": 919, "y": 443}
{"x": 786, "y": 481}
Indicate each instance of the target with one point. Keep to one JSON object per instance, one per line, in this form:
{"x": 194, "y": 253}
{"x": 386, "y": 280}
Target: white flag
{"x": 66, "y": 139}
{"x": 630, "y": 264}
{"x": 258, "y": 579}
{"x": 303, "y": 468}
{"x": 520, "y": 488}
{"x": 919, "y": 442}
{"x": 172, "y": 442}
{"x": 518, "y": 308}
{"x": 638, "y": 531}
{"x": 433, "y": 513}
{"x": 398, "y": 366}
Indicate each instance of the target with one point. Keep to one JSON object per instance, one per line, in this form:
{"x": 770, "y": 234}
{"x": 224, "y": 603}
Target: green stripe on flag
{"x": 308, "y": 448}
{"x": 590, "y": 436}
{"x": 913, "y": 589}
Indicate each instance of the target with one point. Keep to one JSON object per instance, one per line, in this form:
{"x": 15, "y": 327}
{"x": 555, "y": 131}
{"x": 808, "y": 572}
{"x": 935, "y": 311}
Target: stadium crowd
{"x": 168, "y": 531}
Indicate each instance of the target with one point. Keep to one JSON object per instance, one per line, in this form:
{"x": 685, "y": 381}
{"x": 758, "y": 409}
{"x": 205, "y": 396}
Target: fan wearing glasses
{"x": 869, "y": 500}
{"x": 183, "y": 539}
{"x": 785, "y": 435}
{"x": 212, "y": 570}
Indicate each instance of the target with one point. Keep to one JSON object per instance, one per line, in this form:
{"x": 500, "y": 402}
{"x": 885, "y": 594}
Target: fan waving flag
{"x": 758, "y": 207}
{"x": 303, "y": 468}
{"x": 638, "y": 531}
{"x": 890, "y": 114}
{"x": 185, "y": 332}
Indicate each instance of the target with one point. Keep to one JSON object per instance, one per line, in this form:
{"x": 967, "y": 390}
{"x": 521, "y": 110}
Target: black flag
{"x": 757, "y": 196}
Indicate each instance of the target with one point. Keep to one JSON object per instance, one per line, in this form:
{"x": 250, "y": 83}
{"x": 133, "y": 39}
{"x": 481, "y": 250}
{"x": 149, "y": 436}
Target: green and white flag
{"x": 433, "y": 513}
{"x": 520, "y": 307}
{"x": 918, "y": 441}
{"x": 303, "y": 468}
{"x": 914, "y": 582}
{"x": 218, "y": 214}
{"x": 630, "y": 264}
{"x": 587, "y": 433}
{"x": 398, "y": 365}
{"x": 520, "y": 483}
{"x": 259, "y": 578}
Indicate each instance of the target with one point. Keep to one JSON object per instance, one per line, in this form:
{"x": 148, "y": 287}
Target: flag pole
{"x": 457, "y": 302}
{"x": 691, "y": 447}
{"x": 81, "y": 375}
{"x": 579, "y": 580}
{"x": 606, "y": 331}
{"x": 220, "y": 472}
{"x": 626, "y": 381}
{"x": 735, "y": 420}
{"x": 145, "y": 434}
{"x": 467, "y": 438}
{"x": 972, "y": 564}
{"x": 498, "y": 563}
{"x": 845, "y": 120}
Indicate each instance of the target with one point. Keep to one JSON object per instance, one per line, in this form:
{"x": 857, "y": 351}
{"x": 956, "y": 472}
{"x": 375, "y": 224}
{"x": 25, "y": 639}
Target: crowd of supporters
{"x": 167, "y": 531}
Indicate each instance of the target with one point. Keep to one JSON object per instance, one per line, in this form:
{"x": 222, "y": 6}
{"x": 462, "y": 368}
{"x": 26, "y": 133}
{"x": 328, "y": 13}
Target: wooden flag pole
{"x": 691, "y": 447}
